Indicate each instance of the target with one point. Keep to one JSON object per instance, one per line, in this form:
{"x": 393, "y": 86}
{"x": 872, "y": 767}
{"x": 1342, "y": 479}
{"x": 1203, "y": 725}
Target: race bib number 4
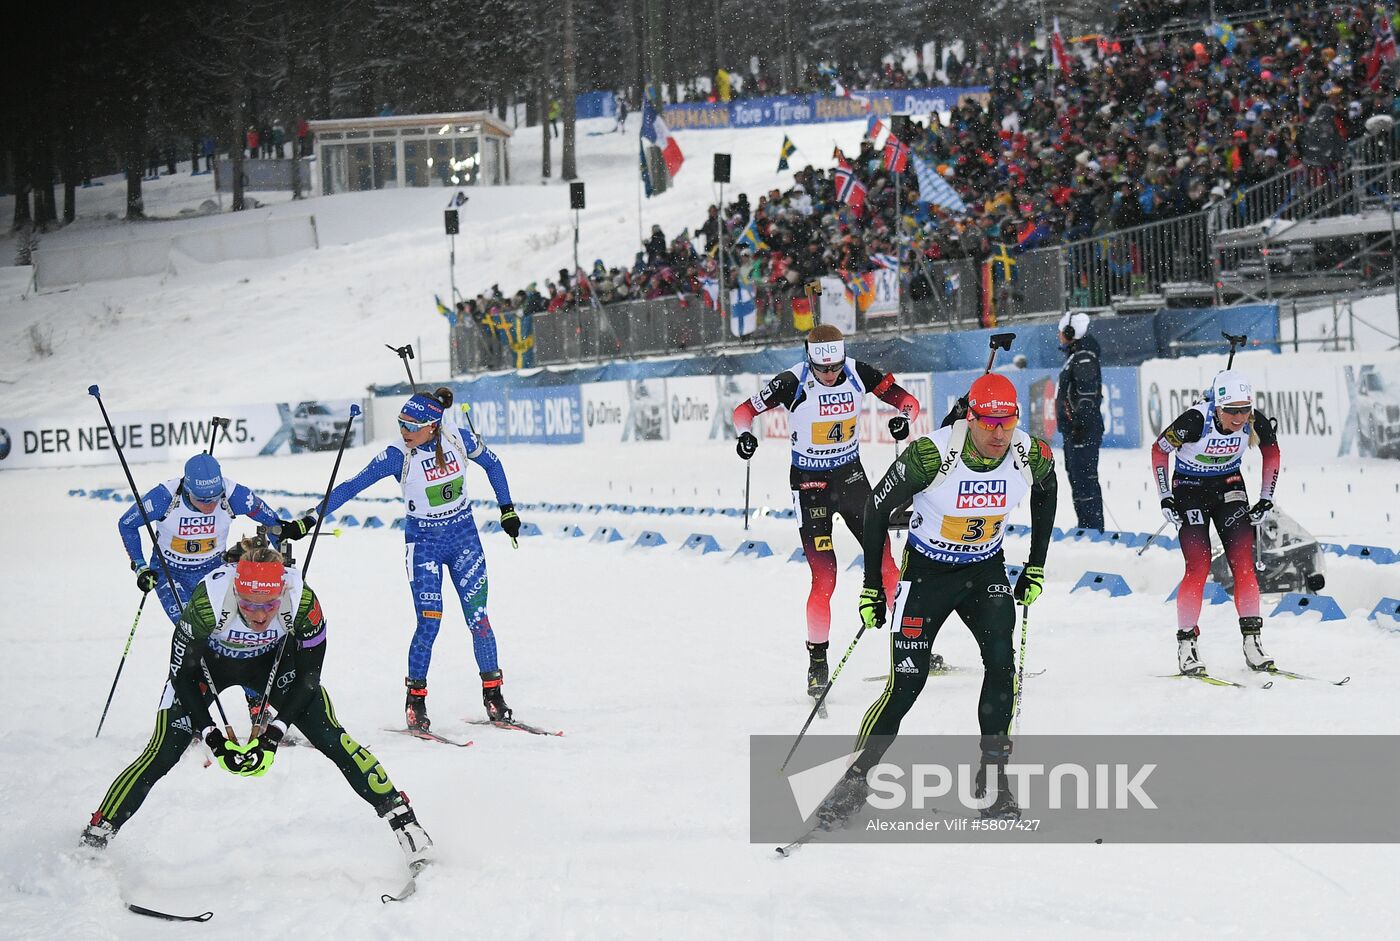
{"x": 833, "y": 432}
{"x": 971, "y": 530}
{"x": 445, "y": 492}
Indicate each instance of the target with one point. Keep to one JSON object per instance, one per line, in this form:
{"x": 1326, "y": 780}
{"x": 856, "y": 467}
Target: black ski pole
{"x": 145, "y": 519}
{"x": 748, "y": 469}
{"x": 1020, "y": 669}
{"x": 215, "y": 425}
{"x": 1143, "y": 547}
{"x": 821, "y": 699}
{"x": 405, "y": 353}
{"x": 306, "y": 563}
{"x": 121, "y": 663}
{"x": 1234, "y": 341}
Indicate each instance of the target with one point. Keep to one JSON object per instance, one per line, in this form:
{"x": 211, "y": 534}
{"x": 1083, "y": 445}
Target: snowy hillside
{"x": 314, "y": 324}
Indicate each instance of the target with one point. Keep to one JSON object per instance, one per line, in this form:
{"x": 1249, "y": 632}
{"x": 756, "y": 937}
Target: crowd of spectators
{"x": 1128, "y": 134}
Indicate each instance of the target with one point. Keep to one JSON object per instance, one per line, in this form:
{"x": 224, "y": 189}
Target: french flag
{"x": 655, "y": 130}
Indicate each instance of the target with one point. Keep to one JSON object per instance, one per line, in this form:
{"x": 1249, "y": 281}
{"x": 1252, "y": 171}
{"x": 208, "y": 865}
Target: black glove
{"x": 229, "y": 757}
{"x": 899, "y": 428}
{"x": 145, "y": 578}
{"x": 1260, "y": 511}
{"x": 1169, "y": 511}
{"x": 510, "y": 522}
{"x": 295, "y": 529}
{"x": 747, "y": 445}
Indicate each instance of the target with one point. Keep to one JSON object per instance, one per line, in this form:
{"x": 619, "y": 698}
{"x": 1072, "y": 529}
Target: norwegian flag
{"x": 896, "y": 155}
{"x": 849, "y": 190}
{"x": 1057, "y": 46}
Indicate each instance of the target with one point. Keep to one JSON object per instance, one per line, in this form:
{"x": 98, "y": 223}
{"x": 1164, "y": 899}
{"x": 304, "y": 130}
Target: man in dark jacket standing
{"x": 1077, "y": 398}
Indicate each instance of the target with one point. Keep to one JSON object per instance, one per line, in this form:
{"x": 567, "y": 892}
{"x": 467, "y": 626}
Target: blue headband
{"x": 423, "y": 408}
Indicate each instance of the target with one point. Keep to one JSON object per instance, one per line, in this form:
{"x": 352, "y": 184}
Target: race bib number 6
{"x": 445, "y": 492}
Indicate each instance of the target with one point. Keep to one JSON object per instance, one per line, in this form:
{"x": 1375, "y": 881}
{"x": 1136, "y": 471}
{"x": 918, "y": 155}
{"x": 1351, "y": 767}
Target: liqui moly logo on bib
{"x": 433, "y": 472}
{"x": 981, "y": 494}
{"x": 197, "y": 526}
{"x": 836, "y": 403}
{"x": 1222, "y": 447}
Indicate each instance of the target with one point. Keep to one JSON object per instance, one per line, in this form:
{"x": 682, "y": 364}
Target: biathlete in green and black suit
{"x": 237, "y": 619}
{"x": 964, "y": 482}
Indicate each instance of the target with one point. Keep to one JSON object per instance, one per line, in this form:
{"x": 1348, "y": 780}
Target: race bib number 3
{"x": 833, "y": 432}
{"x": 971, "y": 530}
{"x": 445, "y": 492}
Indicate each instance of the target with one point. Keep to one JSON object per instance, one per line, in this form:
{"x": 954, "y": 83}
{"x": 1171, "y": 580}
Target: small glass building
{"x": 462, "y": 148}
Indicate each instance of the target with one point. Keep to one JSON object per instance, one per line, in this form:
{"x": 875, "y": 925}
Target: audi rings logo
{"x": 286, "y": 679}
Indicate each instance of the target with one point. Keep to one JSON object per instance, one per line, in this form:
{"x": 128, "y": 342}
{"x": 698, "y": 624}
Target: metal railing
{"x": 1132, "y": 262}
{"x": 949, "y": 298}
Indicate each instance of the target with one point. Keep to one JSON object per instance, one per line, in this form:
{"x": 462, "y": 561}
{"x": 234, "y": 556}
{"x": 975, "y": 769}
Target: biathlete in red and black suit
{"x": 1209, "y": 441}
{"x": 824, "y": 395}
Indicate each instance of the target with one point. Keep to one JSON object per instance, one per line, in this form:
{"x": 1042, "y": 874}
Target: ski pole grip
{"x": 93, "y": 391}
{"x": 354, "y": 411}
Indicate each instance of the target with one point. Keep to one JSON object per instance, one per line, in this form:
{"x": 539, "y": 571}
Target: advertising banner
{"x": 544, "y": 415}
{"x": 175, "y": 434}
{"x": 781, "y": 110}
{"x": 604, "y": 411}
{"x": 1327, "y": 405}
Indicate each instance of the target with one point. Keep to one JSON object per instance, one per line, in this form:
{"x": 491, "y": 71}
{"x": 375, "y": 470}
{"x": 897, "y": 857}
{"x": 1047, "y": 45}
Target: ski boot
{"x": 415, "y": 706}
{"x": 845, "y": 799}
{"x": 496, "y": 708}
{"x": 996, "y": 750}
{"x": 816, "y": 669}
{"x": 1188, "y": 658}
{"x": 256, "y": 710}
{"x": 1254, "y": 654}
{"x": 413, "y": 839}
{"x": 98, "y": 833}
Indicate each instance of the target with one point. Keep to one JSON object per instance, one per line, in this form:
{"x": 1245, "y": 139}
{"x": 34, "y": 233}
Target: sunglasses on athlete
{"x": 247, "y": 605}
{"x": 994, "y": 421}
{"x": 1237, "y": 409}
{"x": 826, "y": 369}
{"x": 411, "y": 426}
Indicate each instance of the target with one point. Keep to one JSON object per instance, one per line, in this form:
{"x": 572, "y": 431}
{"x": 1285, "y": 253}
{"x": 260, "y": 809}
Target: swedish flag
{"x": 789, "y": 148}
{"x": 446, "y": 311}
{"x": 751, "y": 238}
